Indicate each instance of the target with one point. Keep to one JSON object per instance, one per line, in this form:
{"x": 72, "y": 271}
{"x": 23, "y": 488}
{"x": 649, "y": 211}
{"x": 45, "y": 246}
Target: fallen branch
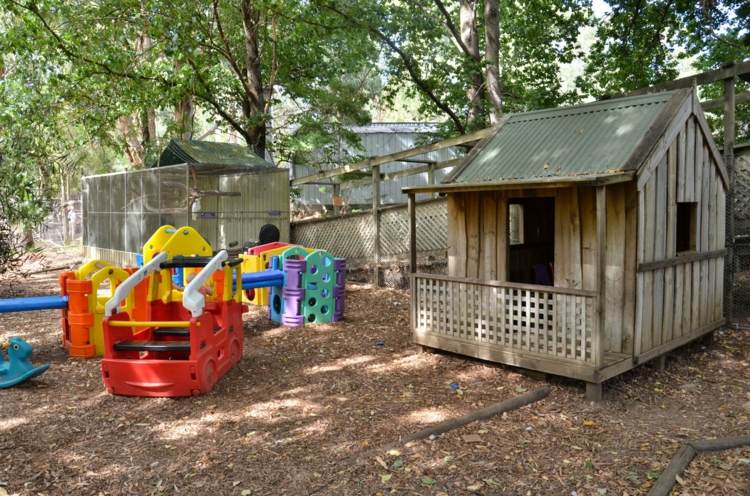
{"x": 483, "y": 414}
{"x": 685, "y": 455}
{"x": 67, "y": 266}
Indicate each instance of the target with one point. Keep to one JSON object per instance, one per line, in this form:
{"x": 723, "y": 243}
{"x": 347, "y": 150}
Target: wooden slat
{"x": 568, "y": 232}
{"x": 671, "y": 207}
{"x": 660, "y": 250}
{"x": 473, "y": 223}
{"x": 680, "y": 259}
{"x": 690, "y": 161}
{"x": 681, "y": 151}
{"x": 648, "y": 281}
{"x": 587, "y": 214}
{"x": 501, "y": 231}
{"x": 629, "y": 284}
{"x": 456, "y": 235}
{"x": 490, "y": 247}
{"x": 615, "y": 268}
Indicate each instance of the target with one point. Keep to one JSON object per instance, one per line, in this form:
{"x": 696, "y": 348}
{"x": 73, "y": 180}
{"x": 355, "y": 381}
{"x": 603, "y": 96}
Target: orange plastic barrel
{"x": 77, "y": 319}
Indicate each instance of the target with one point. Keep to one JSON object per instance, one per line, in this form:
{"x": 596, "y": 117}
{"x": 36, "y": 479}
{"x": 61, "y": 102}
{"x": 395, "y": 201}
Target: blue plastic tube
{"x": 33, "y": 303}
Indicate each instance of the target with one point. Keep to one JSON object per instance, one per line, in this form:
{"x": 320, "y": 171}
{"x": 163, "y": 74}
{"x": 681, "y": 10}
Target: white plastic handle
{"x": 192, "y": 299}
{"x": 124, "y": 289}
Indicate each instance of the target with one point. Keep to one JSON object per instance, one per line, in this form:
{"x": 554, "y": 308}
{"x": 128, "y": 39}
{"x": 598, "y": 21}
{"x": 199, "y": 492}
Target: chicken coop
{"x": 222, "y": 190}
{"x": 582, "y": 241}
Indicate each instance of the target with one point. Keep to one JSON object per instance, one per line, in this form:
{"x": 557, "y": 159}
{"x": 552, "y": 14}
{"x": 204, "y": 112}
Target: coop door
{"x": 531, "y": 240}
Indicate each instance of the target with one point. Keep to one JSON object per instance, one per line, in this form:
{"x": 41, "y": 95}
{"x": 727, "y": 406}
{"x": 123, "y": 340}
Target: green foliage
{"x": 537, "y": 36}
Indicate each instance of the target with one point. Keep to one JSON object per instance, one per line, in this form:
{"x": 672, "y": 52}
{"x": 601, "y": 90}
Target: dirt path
{"x": 305, "y": 404}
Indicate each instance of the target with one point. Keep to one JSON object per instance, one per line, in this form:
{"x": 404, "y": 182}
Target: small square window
{"x": 515, "y": 221}
{"x": 686, "y": 228}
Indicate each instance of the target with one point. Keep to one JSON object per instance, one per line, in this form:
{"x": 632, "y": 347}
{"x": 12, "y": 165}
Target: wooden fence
{"x": 355, "y": 236}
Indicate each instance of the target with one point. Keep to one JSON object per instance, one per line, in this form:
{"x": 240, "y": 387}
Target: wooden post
{"x": 729, "y": 125}
{"x": 412, "y": 233}
{"x": 335, "y": 198}
{"x": 431, "y": 176}
{"x": 598, "y": 340}
{"x": 376, "y": 221}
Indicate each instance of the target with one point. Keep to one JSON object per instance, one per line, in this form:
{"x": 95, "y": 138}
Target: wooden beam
{"x": 387, "y": 176}
{"x": 717, "y": 104}
{"x": 729, "y": 71}
{"x": 532, "y": 182}
{"x": 412, "y": 209}
{"x": 396, "y": 157}
{"x": 680, "y": 259}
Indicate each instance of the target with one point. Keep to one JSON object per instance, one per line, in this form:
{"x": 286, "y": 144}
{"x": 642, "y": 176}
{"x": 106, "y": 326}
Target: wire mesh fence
{"x": 226, "y": 205}
{"x": 740, "y": 245}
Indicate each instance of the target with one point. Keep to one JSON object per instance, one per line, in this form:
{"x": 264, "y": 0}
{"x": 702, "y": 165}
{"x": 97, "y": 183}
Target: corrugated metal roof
{"x": 590, "y": 139}
{"x": 209, "y": 152}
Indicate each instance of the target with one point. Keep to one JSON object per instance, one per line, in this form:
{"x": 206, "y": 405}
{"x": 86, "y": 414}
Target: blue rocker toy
{"x": 18, "y": 368}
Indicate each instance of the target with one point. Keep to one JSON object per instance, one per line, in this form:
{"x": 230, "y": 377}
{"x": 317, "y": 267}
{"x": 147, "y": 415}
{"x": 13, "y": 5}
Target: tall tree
{"x": 470, "y": 60}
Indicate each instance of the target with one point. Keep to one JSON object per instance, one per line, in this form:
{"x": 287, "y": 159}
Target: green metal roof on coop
{"x": 210, "y": 153}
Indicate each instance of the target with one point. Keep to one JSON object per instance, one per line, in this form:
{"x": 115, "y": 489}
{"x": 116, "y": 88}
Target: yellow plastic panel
{"x": 157, "y": 241}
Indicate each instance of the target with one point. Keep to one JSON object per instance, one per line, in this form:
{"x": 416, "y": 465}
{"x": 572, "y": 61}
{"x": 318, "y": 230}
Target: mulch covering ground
{"x": 306, "y": 410}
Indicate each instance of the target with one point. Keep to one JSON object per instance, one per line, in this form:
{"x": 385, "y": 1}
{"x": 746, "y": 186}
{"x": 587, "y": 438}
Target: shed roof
{"x": 598, "y": 140}
{"x": 209, "y": 152}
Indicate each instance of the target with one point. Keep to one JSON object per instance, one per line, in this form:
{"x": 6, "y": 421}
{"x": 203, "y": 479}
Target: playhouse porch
{"x": 544, "y": 328}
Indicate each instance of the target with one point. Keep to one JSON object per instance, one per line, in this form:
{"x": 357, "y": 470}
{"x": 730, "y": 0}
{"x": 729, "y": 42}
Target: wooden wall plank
{"x": 669, "y": 290}
{"x": 660, "y": 249}
{"x": 567, "y": 239}
{"x": 629, "y": 287}
{"x": 488, "y": 251}
{"x": 456, "y": 235}
{"x": 587, "y": 214}
{"x": 681, "y": 150}
{"x": 690, "y": 161}
{"x": 614, "y": 276}
{"x": 649, "y": 218}
{"x": 473, "y": 223}
{"x": 502, "y": 236}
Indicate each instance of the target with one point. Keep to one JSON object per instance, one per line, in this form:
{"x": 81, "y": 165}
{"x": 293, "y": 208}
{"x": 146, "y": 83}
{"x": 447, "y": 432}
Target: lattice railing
{"x": 552, "y": 321}
{"x": 353, "y": 236}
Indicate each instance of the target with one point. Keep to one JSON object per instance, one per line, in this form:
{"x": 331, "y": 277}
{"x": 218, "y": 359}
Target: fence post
{"x": 729, "y": 136}
{"x": 431, "y": 176}
{"x": 412, "y": 210}
{"x": 376, "y": 221}
{"x": 335, "y": 199}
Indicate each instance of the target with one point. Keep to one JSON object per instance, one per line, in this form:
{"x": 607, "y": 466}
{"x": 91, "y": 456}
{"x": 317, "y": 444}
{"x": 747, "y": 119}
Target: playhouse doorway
{"x": 531, "y": 240}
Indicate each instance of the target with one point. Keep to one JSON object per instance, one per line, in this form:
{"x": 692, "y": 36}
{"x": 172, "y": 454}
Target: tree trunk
{"x": 468, "y": 28}
{"x": 492, "y": 58}
{"x": 255, "y": 102}
{"x": 184, "y": 111}
{"x": 133, "y": 146}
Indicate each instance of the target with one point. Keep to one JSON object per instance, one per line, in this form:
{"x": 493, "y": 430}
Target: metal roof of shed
{"x": 593, "y": 140}
{"x": 210, "y": 152}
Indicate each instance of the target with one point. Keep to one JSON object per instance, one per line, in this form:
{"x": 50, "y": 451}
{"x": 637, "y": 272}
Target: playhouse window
{"x": 686, "y": 226}
{"x": 515, "y": 223}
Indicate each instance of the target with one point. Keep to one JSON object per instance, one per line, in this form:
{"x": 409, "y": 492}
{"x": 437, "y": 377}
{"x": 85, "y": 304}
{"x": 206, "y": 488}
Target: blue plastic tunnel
{"x": 33, "y": 303}
{"x": 265, "y": 279}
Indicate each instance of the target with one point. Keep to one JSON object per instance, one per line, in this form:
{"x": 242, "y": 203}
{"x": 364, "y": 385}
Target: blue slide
{"x": 33, "y": 303}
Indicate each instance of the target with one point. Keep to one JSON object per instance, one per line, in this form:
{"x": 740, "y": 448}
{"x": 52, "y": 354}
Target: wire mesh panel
{"x": 741, "y": 245}
{"x": 225, "y": 205}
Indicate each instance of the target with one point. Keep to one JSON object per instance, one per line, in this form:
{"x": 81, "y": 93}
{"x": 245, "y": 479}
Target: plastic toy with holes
{"x": 18, "y": 367}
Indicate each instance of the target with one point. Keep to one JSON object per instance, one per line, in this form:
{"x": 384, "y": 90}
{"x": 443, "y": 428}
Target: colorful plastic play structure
{"x": 173, "y": 326}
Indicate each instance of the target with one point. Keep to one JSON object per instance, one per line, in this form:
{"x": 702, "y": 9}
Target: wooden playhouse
{"x": 582, "y": 241}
